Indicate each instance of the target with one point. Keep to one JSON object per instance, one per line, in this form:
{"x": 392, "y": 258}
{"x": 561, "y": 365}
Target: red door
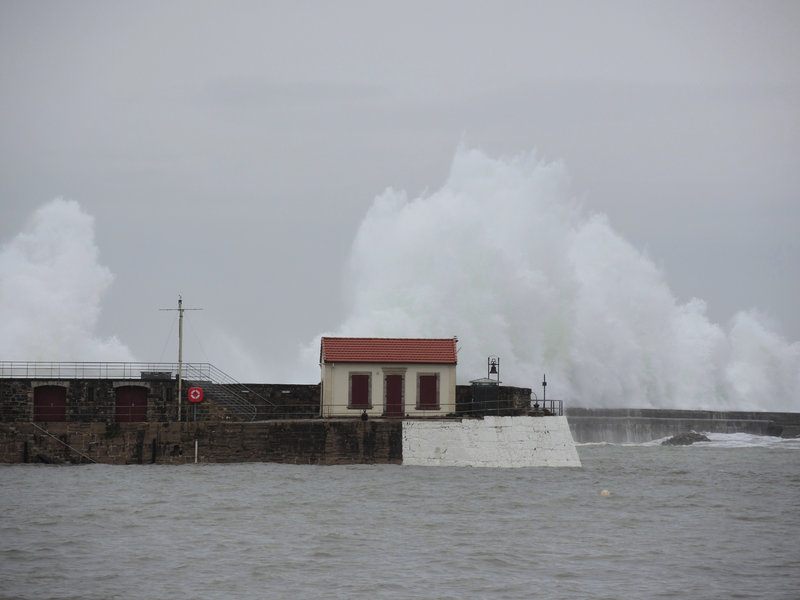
{"x": 131, "y": 403}
{"x": 50, "y": 403}
{"x": 394, "y": 396}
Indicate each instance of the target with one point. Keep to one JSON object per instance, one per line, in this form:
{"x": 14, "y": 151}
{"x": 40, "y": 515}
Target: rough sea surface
{"x": 711, "y": 520}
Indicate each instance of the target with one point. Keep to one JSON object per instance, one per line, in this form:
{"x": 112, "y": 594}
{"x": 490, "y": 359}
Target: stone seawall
{"x": 487, "y": 442}
{"x": 632, "y": 425}
{"x": 316, "y": 441}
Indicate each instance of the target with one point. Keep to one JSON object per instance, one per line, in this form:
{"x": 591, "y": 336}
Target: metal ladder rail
{"x": 226, "y": 389}
{"x": 229, "y": 399}
{"x": 225, "y": 379}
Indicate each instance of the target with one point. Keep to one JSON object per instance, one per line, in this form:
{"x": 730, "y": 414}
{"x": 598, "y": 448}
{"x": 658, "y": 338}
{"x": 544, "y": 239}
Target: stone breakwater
{"x": 488, "y": 442}
{"x": 315, "y": 441}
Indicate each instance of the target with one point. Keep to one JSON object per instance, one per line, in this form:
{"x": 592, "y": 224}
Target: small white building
{"x": 391, "y": 377}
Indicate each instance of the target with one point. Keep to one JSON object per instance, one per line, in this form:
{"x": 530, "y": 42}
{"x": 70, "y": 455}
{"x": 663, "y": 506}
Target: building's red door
{"x": 394, "y": 396}
{"x": 131, "y": 403}
{"x": 50, "y": 403}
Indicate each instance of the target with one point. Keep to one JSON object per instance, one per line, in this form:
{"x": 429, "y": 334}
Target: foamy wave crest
{"x": 502, "y": 257}
{"x": 51, "y": 285}
{"x": 723, "y": 440}
{"x": 746, "y": 440}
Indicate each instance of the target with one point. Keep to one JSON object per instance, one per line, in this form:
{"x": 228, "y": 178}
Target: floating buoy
{"x": 605, "y": 493}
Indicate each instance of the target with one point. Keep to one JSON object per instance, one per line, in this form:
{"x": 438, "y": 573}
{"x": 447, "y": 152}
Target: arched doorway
{"x": 50, "y": 403}
{"x": 131, "y": 403}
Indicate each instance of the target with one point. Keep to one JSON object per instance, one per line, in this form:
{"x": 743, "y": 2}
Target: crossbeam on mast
{"x": 180, "y": 310}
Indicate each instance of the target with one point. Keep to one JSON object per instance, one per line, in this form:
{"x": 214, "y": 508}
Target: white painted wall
{"x": 336, "y": 382}
{"x": 490, "y": 442}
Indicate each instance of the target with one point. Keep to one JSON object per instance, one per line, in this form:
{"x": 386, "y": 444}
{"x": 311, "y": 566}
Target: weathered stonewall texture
{"x": 89, "y": 400}
{"x": 298, "y": 441}
{"x": 94, "y": 400}
{"x": 490, "y": 442}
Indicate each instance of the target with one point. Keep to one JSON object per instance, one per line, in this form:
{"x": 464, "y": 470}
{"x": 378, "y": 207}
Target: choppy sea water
{"x": 712, "y": 520}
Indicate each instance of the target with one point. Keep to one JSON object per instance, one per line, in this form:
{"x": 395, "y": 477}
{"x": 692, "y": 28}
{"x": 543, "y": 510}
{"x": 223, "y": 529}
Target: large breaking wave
{"x": 503, "y": 258}
{"x": 51, "y": 286}
{"x": 499, "y": 256}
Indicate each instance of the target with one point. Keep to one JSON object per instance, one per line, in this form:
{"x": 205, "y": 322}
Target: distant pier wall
{"x": 636, "y": 426}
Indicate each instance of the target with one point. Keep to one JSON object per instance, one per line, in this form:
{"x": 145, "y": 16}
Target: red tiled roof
{"x": 389, "y": 350}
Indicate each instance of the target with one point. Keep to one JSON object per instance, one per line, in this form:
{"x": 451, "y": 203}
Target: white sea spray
{"x": 51, "y": 288}
{"x": 505, "y": 259}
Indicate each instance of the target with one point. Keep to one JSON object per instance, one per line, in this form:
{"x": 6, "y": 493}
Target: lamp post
{"x": 544, "y": 390}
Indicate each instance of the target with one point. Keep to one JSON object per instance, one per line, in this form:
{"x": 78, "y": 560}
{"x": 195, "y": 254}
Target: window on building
{"x": 360, "y": 396}
{"x": 428, "y": 391}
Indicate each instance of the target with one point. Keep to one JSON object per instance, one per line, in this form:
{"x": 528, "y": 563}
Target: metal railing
{"x": 470, "y": 409}
{"x": 552, "y": 407}
{"x": 218, "y": 384}
{"x": 225, "y": 390}
{"x": 93, "y": 370}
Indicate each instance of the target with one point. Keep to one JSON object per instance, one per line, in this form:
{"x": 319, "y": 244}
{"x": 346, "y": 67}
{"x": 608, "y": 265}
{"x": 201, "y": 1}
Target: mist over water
{"x": 51, "y": 285}
{"x": 502, "y": 257}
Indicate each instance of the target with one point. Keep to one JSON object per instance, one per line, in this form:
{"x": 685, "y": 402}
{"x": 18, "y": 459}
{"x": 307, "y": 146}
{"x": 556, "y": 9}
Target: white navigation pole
{"x": 180, "y": 310}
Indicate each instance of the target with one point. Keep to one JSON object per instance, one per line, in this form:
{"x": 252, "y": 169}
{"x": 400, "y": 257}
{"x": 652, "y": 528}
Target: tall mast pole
{"x": 180, "y": 351}
{"x": 180, "y": 310}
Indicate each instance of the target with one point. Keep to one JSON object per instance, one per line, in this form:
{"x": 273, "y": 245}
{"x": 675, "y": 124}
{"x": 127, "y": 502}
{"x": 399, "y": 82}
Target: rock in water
{"x": 684, "y": 439}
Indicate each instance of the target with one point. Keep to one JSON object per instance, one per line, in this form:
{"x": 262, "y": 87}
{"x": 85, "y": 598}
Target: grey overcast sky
{"x": 229, "y": 151}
